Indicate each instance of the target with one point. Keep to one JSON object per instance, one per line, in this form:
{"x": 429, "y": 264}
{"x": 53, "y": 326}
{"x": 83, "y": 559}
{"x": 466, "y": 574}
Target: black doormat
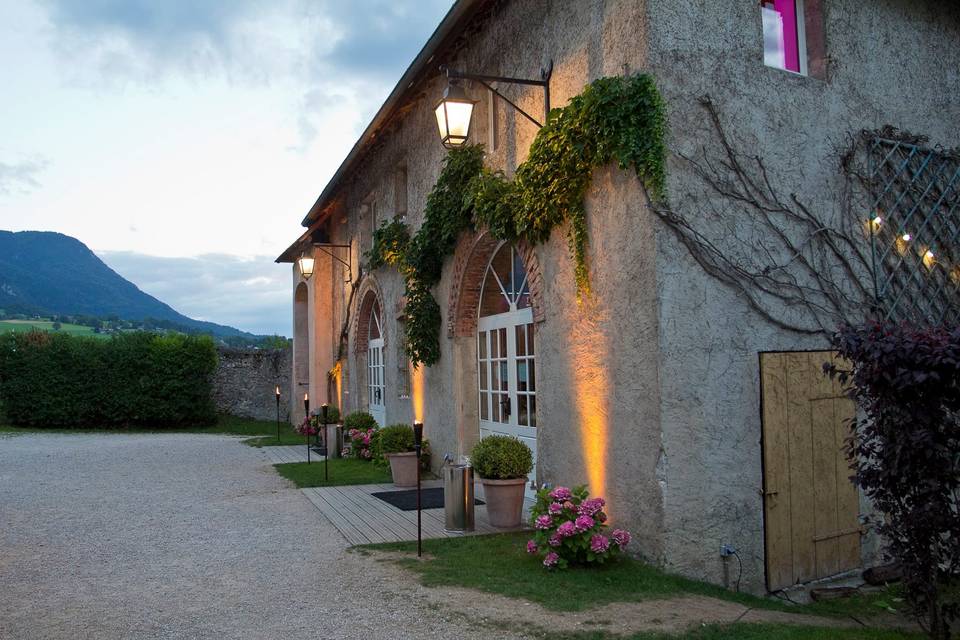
{"x": 407, "y": 500}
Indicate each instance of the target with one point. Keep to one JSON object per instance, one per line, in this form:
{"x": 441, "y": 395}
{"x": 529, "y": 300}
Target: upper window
{"x": 784, "y": 40}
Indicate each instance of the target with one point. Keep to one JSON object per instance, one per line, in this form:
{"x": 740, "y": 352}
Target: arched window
{"x": 506, "y": 354}
{"x": 375, "y": 383}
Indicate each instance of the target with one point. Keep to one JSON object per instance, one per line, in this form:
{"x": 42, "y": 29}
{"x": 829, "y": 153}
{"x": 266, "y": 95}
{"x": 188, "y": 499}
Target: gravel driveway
{"x": 182, "y": 536}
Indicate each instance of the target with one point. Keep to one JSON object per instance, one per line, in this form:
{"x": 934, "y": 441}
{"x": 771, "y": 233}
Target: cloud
{"x": 20, "y": 177}
{"x": 246, "y": 40}
{"x": 252, "y": 294}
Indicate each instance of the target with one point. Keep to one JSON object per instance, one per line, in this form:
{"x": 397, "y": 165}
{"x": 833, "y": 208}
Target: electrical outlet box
{"x": 727, "y": 550}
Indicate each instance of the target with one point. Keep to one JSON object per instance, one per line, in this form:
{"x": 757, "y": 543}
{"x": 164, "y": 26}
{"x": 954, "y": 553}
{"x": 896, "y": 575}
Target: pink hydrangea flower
{"x": 569, "y": 506}
{"x": 584, "y": 523}
{"x": 366, "y": 439}
{"x": 561, "y": 493}
{"x": 599, "y": 543}
{"x": 531, "y": 546}
{"x": 544, "y": 522}
{"x": 551, "y": 559}
{"x": 555, "y": 540}
{"x": 621, "y": 537}
{"x": 566, "y": 529}
{"x": 555, "y": 508}
{"x": 591, "y": 507}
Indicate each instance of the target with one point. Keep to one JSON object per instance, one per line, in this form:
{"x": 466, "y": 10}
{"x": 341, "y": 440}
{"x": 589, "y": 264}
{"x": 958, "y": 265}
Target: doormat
{"x": 407, "y": 500}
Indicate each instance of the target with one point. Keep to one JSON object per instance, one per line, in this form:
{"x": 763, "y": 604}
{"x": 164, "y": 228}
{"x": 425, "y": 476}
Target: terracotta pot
{"x": 504, "y": 501}
{"x": 403, "y": 468}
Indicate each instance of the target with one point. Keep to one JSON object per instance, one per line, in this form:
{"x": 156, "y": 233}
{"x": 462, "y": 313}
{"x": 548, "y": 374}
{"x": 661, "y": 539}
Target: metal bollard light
{"x": 458, "y": 501}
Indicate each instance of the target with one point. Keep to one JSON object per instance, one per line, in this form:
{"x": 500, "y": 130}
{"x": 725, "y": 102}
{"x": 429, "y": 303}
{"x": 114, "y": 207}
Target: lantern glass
{"x": 454, "y": 113}
{"x": 306, "y": 266}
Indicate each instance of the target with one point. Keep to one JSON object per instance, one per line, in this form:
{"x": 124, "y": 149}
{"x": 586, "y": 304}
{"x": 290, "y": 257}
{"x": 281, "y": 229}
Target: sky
{"x": 184, "y": 140}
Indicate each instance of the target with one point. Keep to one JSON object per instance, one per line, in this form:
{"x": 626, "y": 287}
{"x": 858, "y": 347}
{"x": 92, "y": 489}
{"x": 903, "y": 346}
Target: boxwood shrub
{"x": 359, "y": 420}
{"x": 501, "y": 458}
{"x": 397, "y": 438}
{"x": 136, "y": 379}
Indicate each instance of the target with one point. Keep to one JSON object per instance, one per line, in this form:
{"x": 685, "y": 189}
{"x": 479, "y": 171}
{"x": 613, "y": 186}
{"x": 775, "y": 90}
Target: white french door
{"x": 376, "y": 395}
{"x": 506, "y": 355}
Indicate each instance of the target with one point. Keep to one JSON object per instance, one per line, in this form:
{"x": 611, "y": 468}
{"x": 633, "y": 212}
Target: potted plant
{"x": 502, "y": 463}
{"x": 395, "y": 443}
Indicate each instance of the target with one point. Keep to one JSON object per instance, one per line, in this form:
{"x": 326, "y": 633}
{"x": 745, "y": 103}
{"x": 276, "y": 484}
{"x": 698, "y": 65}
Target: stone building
{"x": 680, "y": 387}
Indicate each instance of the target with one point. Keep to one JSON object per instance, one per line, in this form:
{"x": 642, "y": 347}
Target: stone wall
{"x": 245, "y": 379}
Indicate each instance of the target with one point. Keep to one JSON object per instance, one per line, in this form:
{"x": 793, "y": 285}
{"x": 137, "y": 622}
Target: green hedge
{"x": 135, "y": 379}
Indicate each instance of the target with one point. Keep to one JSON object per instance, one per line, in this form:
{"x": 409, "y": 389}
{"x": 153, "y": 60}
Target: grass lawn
{"x": 343, "y": 471}
{"x": 499, "y": 564}
{"x": 287, "y": 437}
{"x": 46, "y": 325}
{"x": 225, "y": 424}
{"x": 756, "y": 632}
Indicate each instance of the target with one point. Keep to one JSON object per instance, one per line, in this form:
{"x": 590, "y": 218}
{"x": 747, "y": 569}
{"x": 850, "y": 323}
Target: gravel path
{"x": 194, "y": 536}
{"x": 183, "y": 536}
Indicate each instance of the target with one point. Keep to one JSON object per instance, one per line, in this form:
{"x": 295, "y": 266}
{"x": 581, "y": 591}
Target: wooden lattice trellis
{"x": 915, "y": 231}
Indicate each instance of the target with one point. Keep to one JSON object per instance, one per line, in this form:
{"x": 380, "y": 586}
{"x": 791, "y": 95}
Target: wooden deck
{"x": 364, "y": 519}
{"x": 283, "y": 454}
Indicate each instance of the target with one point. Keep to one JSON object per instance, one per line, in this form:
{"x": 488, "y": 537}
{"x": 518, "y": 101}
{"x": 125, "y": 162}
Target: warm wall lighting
{"x": 454, "y": 114}
{"x": 305, "y": 264}
{"x": 416, "y": 392}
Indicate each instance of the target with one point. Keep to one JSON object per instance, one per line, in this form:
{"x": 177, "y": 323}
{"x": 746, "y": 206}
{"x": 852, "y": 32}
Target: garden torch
{"x": 417, "y": 446}
{"x": 306, "y": 430}
{"x": 276, "y": 392}
{"x": 326, "y": 463}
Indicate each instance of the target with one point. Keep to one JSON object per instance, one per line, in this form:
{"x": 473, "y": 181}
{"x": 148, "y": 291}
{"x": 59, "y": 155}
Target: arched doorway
{"x": 506, "y": 353}
{"x": 301, "y": 351}
{"x": 376, "y": 393}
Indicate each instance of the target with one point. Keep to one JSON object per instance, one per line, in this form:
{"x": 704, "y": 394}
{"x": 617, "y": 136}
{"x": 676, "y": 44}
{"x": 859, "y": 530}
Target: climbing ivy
{"x": 390, "y": 242}
{"x": 620, "y": 120}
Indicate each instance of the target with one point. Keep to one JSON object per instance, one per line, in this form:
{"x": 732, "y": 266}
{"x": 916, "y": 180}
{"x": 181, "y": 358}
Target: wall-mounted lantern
{"x": 455, "y": 109}
{"x": 305, "y": 264}
{"x": 454, "y": 113}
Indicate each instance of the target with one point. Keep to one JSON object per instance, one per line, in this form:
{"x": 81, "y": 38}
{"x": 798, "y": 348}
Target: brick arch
{"x": 368, "y": 294}
{"x": 471, "y": 258}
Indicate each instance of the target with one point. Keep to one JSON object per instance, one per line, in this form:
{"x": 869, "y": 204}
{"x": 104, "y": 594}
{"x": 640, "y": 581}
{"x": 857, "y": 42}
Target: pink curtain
{"x": 791, "y": 42}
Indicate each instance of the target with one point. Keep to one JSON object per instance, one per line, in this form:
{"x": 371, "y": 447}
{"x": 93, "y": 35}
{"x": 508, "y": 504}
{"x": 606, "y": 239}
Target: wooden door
{"x": 811, "y": 509}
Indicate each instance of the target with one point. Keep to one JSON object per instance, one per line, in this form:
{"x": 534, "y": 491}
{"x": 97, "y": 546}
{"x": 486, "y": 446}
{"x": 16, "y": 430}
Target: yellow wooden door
{"x": 811, "y": 509}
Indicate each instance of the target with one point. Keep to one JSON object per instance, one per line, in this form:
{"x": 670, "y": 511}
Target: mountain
{"x": 47, "y": 273}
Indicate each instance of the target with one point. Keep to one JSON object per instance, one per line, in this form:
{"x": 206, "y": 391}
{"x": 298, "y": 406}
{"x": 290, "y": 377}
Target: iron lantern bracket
{"x": 485, "y": 80}
{"x": 325, "y": 248}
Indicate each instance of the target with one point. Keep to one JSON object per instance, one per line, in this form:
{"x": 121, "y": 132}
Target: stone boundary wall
{"x": 245, "y": 379}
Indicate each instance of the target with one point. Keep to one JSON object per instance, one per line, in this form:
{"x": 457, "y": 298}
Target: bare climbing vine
{"x": 802, "y": 269}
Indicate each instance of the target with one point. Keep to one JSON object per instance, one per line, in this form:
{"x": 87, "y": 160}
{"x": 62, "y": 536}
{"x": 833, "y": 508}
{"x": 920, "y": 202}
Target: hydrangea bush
{"x": 359, "y": 443}
{"x": 571, "y": 529}
{"x": 309, "y": 427}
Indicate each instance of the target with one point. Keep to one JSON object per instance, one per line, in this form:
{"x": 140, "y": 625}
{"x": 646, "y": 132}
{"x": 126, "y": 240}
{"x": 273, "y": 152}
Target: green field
{"x": 46, "y": 325}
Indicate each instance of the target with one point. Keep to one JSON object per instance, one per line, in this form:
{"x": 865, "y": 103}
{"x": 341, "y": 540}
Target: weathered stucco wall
{"x": 244, "y": 382}
{"x": 649, "y": 391}
{"x": 890, "y": 62}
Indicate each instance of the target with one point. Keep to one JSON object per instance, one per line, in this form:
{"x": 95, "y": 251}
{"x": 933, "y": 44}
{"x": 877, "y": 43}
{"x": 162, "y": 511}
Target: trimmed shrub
{"x": 397, "y": 438}
{"x": 333, "y": 415}
{"x": 134, "y": 379}
{"x": 359, "y": 420}
{"x": 501, "y": 458}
